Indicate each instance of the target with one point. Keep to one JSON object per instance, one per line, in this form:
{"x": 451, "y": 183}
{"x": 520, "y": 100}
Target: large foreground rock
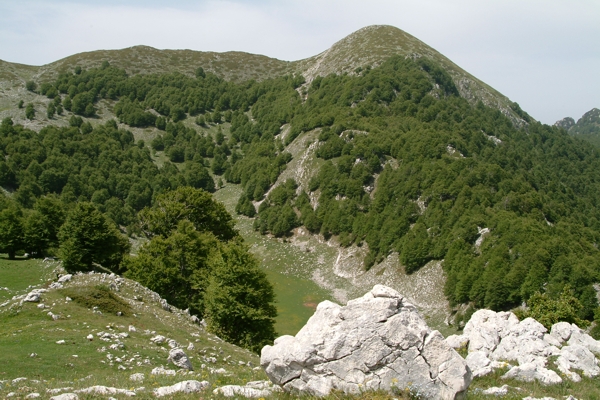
{"x": 378, "y": 341}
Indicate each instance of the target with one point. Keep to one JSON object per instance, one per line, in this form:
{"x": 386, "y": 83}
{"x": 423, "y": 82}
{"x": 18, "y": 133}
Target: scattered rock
{"x": 378, "y": 341}
{"x": 577, "y": 357}
{"x": 457, "y": 341}
{"x": 496, "y": 391}
{"x": 65, "y": 396}
{"x": 32, "y": 297}
{"x": 105, "y": 390}
{"x": 184, "y": 387}
{"x": 58, "y": 390}
{"x": 139, "y": 377}
{"x": 530, "y": 372}
{"x": 158, "y": 339}
{"x": 162, "y": 371}
{"x": 236, "y": 390}
{"x": 180, "y": 359}
{"x": 479, "y": 364}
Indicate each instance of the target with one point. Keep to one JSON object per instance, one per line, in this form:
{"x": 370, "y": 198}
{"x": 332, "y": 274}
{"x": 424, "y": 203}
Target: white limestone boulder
{"x": 378, "y": 341}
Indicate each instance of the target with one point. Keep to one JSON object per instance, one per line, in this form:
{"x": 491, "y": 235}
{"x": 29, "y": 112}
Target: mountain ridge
{"x": 367, "y": 47}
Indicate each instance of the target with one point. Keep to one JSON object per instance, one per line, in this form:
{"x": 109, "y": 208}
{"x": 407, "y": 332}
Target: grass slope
{"x": 28, "y": 339}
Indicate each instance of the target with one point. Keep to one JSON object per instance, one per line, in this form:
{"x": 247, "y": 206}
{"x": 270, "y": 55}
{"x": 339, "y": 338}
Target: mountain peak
{"x": 372, "y": 45}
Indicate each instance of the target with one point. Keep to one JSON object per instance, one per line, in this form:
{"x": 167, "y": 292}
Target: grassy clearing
{"x": 16, "y": 275}
{"x": 288, "y": 269}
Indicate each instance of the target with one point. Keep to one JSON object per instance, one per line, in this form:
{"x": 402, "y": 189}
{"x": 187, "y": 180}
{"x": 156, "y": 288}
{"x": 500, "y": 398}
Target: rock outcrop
{"x": 496, "y": 339}
{"x": 378, "y": 341}
{"x": 180, "y": 359}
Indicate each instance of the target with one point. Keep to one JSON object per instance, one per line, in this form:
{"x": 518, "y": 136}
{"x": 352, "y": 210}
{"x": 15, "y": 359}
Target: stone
{"x": 60, "y": 342}
{"x": 32, "y": 297}
{"x": 190, "y": 347}
{"x": 65, "y": 278}
{"x": 578, "y": 357}
{"x": 486, "y": 328}
{"x": 158, "y": 339}
{"x": 376, "y": 342}
{"x": 562, "y": 331}
{"x": 162, "y": 371}
{"x": 181, "y": 387}
{"x": 244, "y": 391}
{"x": 579, "y": 337}
{"x": 538, "y": 398}
{"x": 139, "y": 377}
{"x": 479, "y": 363}
{"x": 105, "y": 390}
{"x": 90, "y": 337}
{"x": 531, "y": 372}
{"x": 496, "y": 391}
{"x": 457, "y": 341}
{"x": 32, "y": 395}
{"x": 65, "y": 396}
{"x": 180, "y": 359}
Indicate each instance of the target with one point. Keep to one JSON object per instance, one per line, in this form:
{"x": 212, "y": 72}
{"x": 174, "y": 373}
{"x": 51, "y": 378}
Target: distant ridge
{"x": 369, "y": 46}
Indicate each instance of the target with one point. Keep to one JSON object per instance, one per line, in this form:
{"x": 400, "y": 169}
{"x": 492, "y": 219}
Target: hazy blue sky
{"x": 543, "y": 54}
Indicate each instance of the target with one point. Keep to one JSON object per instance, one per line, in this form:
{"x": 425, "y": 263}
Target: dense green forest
{"x": 408, "y": 166}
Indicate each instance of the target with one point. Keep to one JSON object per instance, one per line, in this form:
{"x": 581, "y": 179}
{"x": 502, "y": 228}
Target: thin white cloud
{"x": 544, "y": 54}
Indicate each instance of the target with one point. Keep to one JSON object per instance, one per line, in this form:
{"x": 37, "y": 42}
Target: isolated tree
{"x": 195, "y": 205}
{"x": 36, "y": 237}
{"x": 11, "y": 231}
{"x": 29, "y": 111}
{"x": 177, "y": 267}
{"x": 31, "y": 86}
{"x": 196, "y": 260}
{"x": 87, "y": 237}
{"x": 51, "y": 110}
{"x": 239, "y": 299}
{"x": 20, "y": 104}
{"x": 197, "y": 176}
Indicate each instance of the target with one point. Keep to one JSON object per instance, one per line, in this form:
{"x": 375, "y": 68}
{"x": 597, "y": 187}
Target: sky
{"x": 543, "y": 54}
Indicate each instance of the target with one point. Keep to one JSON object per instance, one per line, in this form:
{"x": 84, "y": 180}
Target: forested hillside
{"x": 404, "y": 163}
{"x": 586, "y": 128}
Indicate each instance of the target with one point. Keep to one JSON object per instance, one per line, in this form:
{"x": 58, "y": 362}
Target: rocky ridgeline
{"x": 378, "y": 341}
{"x": 500, "y": 340}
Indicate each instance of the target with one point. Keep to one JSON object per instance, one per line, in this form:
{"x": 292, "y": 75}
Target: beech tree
{"x": 11, "y": 231}
{"x": 88, "y": 238}
{"x": 196, "y": 260}
{"x": 29, "y": 111}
